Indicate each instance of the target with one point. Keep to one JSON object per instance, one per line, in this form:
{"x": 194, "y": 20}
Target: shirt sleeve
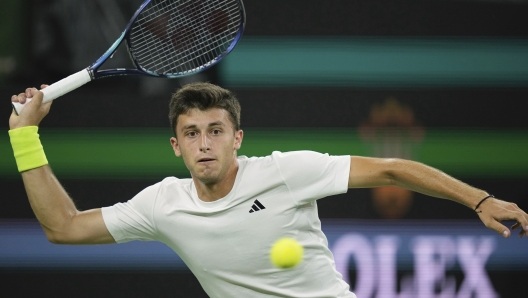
{"x": 311, "y": 175}
{"x": 133, "y": 220}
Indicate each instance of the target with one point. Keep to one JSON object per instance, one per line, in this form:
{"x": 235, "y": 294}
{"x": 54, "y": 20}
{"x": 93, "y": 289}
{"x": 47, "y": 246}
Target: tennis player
{"x": 223, "y": 220}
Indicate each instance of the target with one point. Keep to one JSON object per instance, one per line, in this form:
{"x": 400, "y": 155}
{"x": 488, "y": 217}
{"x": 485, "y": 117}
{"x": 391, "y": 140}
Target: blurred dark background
{"x": 448, "y": 87}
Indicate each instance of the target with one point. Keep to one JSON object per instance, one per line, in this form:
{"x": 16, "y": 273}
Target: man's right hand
{"x": 33, "y": 112}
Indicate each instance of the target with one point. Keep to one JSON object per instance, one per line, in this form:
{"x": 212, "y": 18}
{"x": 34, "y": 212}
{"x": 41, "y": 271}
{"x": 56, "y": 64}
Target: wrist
{"x": 489, "y": 196}
{"x": 27, "y": 149}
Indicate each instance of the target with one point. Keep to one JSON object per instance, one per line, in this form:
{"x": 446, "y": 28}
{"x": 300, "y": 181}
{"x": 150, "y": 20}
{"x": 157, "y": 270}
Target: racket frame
{"x": 95, "y": 73}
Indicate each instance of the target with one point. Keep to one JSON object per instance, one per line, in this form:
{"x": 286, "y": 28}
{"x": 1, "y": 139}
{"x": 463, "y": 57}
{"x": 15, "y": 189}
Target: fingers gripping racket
{"x": 166, "y": 39}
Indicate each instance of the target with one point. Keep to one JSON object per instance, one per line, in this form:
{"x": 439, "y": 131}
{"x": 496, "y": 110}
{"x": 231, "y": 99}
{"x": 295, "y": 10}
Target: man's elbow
{"x": 57, "y": 237}
{"x": 393, "y": 169}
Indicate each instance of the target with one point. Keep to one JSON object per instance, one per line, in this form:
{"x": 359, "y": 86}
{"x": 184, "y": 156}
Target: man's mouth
{"x": 205, "y": 159}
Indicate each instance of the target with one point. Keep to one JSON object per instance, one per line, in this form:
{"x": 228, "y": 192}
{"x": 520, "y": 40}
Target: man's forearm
{"x": 51, "y": 204}
{"x": 430, "y": 181}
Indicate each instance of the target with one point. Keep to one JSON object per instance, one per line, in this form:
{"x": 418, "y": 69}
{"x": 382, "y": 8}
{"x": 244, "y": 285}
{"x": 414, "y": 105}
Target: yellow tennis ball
{"x": 286, "y": 253}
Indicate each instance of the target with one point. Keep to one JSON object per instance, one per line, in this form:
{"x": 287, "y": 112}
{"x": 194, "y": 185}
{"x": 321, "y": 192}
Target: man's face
{"x": 207, "y": 142}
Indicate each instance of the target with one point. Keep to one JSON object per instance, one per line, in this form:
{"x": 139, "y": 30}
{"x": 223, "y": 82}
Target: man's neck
{"x": 219, "y": 189}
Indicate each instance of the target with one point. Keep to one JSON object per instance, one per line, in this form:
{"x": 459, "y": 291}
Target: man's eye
{"x": 216, "y": 131}
{"x": 191, "y": 134}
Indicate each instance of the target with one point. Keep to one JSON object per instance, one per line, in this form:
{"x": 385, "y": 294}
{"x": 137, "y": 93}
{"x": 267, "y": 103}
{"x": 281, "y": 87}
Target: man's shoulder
{"x": 169, "y": 184}
{"x": 277, "y": 155}
{"x": 174, "y": 182}
{"x": 169, "y": 188}
{"x": 272, "y": 164}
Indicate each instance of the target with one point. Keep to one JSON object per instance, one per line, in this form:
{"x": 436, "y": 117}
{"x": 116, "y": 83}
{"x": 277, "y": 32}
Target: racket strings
{"x": 175, "y": 37}
{"x": 218, "y": 44}
{"x": 213, "y": 47}
{"x": 199, "y": 48}
{"x": 148, "y": 52}
{"x": 189, "y": 39}
{"x": 151, "y": 54}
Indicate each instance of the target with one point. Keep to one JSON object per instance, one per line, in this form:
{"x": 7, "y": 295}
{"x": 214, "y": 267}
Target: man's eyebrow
{"x": 191, "y": 126}
{"x": 216, "y": 123}
{"x": 194, "y": 126}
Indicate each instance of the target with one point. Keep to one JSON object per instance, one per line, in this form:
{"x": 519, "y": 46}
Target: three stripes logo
{"x": 257, "y": 206}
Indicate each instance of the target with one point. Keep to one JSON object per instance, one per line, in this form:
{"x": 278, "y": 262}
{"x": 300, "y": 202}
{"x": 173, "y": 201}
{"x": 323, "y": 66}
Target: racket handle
{"x": 59, "y": 88}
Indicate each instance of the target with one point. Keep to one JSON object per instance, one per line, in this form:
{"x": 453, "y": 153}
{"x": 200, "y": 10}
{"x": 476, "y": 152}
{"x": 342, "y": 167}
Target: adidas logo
{"x": 257, "y": 206}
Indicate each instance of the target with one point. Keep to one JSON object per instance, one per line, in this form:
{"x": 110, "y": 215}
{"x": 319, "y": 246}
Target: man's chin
{"x": 207, "y": 178}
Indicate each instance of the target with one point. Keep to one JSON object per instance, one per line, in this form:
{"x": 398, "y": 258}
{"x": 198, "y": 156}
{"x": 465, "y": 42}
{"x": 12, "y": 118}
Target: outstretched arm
{"x": 54, "y": 209}
{"x": 373, "y": 172}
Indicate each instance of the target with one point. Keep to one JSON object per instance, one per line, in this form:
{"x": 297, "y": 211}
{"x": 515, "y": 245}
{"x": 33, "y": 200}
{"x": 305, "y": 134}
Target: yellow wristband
{"x": 28, "y": 150}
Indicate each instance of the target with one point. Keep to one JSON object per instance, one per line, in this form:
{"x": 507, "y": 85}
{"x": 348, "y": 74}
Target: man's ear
{"x": 239, "y": 135}
{"x": 175, "y": 146}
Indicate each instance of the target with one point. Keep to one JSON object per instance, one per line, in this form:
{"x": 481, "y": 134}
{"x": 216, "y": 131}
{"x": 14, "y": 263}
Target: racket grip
{"x": 59, "y": 88}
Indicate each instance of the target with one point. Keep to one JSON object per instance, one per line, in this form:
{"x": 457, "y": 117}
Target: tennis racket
{"x": 166, "y": 39}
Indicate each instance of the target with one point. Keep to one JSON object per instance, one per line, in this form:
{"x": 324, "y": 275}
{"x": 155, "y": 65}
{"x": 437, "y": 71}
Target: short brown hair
{"x": 203, "y": 96}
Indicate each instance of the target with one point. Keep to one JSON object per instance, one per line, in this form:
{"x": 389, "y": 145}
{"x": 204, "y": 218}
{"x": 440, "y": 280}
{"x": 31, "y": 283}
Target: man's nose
{"x": 204, "y": 145}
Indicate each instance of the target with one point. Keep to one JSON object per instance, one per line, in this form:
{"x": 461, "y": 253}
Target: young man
{"x": 208, "y": 220}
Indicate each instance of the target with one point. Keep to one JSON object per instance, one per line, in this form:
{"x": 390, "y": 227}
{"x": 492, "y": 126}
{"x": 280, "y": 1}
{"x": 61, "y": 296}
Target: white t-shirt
{"x": 226, "y": 243}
